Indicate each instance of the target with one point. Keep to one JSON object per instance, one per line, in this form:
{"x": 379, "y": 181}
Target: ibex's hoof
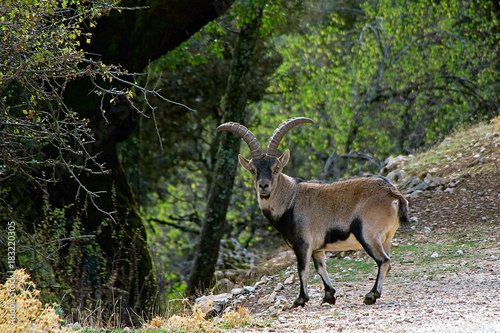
{"x": 295, "y": 305}
{"x": 299, "y": 302}
{"x": 371, "y": 298}
{"x": 329, "y": 298}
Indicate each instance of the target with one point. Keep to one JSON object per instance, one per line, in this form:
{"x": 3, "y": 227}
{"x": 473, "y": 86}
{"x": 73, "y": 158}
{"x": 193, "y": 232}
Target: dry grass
{"x": 29, "y": 314}
{"x": 197, "y": 321}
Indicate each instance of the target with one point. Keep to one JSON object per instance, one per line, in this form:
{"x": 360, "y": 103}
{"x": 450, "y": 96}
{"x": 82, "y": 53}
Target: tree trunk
{"x": 234, "y": 106}
{"x": 123, "y": 278}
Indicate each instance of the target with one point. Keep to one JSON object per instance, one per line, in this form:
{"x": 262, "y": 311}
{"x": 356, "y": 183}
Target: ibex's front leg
{"x": 303, "y": 253}
{"x": 319, "y": 264}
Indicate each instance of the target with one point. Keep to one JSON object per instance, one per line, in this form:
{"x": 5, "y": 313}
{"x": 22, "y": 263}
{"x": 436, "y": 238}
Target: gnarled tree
{"x": 74, "y": 195}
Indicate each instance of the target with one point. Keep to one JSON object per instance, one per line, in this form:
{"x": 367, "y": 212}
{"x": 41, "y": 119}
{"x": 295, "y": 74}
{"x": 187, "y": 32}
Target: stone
{"x": 268, "y": 299}
{"x": 396, "y": 176}
{"x": 234, "y": 256}
{"x": 237, "y": 291}
{"x": 213, "y": 303}
{"x": 223, "y": 286}
{"x": 249, "y": 289}
{"x": 392, "y": 163}
{"x": 289, "y": 280}
{"x": 412, "y": 185}
{"x": 433, "y": 181}
{"x": 75, "y": 326}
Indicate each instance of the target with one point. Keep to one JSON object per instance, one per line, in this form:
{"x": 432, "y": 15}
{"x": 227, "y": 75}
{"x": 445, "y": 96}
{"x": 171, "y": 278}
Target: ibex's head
{"x": 264, "y": 167}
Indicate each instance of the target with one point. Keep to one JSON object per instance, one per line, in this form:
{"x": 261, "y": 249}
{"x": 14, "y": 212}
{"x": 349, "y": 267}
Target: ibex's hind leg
{"x": 374, "y": 247}
{"x": 384, "y": 266}
{"x": 319, "y": 264}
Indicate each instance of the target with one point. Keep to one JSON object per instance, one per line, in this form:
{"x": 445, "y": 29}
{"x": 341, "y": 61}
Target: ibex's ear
{"x": 244, "y": 162}
{"x": 284, "y": 158}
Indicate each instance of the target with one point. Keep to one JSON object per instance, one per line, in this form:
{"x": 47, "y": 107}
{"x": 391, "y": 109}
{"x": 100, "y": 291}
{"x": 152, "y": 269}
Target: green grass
{"x": 346, "y": 270}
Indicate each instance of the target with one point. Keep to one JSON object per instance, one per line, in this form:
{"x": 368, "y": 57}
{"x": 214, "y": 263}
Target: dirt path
{"x": 464, "y": 302}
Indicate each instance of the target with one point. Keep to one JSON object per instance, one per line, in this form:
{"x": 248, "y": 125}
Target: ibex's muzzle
{"x": 264, "y": 189}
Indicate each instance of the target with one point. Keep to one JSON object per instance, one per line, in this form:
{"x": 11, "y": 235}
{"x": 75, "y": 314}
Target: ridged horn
{"x": 245, "y": 134}
{"x": 279, "y": 133}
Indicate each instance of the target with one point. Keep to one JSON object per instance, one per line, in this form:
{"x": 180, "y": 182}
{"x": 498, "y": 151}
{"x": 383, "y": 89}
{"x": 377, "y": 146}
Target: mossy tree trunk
{"x": 234, "y": 105}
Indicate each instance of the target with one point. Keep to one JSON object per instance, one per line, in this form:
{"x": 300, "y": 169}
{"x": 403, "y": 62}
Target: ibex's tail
{"x": 403, "y": 203}
{"x": 403, "y": 211}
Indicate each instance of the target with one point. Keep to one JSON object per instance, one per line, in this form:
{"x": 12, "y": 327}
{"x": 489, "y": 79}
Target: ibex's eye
{"x": 252, "y": 171}
{"x": 276, "y": 170}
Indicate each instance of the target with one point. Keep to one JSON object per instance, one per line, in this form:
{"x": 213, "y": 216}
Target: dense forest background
{"x": 109, "y": 160}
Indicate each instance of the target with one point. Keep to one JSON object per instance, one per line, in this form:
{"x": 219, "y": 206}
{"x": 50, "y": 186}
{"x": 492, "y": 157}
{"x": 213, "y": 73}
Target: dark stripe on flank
{"x": 335, "y": 235}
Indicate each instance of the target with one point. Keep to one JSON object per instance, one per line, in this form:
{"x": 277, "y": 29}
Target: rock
{"x": 75, "y": 326}
{"x": 234, "y": 256}
{"x": 213, "y": 304}
{"x": 434, "y": 255}
{"x": 224, "y": 286}
{"x": 219, "y": 275}
{"x": 258, "y": 284}
{"x": 413, "y": 184}
{"x": 268, "y": 299}
{"x": 279, "y": 287}
{"x": 459, "y": 252}
{"x": 230, "y": 274}
{"x": 237, "y": 291}
{"x": 289, "y": 280}
{"x": 396, "y": 176}
{"x": 280, "y": 300}
{"x": 265, "y": 279}
{"x": 249, "y": 289}
{"x": 315, "y": 293}
{"x": 393, "y": 163}
{"x": 433, "y": 181}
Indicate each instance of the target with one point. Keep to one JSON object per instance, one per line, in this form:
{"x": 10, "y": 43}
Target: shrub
{"x": 22, "y": 310}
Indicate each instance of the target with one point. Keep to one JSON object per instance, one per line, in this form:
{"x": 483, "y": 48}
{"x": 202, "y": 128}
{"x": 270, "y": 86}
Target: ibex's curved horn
{"x": 272, "y": 147}
{"x": 245, "y": 134}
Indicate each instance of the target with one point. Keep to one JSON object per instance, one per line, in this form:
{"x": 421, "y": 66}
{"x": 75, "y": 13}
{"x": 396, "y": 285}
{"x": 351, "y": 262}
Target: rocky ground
{"x": 446, "y": 267}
